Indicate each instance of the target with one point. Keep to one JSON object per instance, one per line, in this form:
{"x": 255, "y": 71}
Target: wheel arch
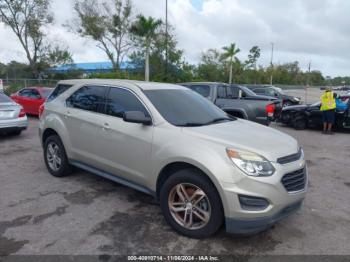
{"x": 47, "y": 133}
{"x": 173, "y": 167}
{"x": 237, "y": 113}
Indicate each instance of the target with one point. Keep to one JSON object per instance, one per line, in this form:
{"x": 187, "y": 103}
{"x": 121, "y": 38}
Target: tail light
{"x": 22, "y": 113}
{"x": 41, "y": 109}
{"x": 270, "y": 110}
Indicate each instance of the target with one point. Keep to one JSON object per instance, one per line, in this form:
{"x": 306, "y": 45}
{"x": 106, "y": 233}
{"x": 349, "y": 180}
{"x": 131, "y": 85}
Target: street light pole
{"x": 308, "y": 82}
{"x": 271, "y": 79}
{"x": 166, "y": 39}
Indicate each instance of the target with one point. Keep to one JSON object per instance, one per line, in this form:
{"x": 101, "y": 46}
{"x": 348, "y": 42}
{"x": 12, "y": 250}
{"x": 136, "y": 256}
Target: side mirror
{"x": 137, "y": 117}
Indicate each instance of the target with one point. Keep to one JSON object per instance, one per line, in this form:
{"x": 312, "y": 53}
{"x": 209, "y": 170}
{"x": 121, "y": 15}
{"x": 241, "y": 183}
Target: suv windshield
{"x": 185, "y": 108}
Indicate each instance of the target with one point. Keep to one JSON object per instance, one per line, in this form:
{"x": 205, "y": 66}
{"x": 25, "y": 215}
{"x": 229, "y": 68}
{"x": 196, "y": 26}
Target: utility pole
{"x": 166, "y": 40}
{"x": 308, "y": 82}
{"x": 271, "y": 79}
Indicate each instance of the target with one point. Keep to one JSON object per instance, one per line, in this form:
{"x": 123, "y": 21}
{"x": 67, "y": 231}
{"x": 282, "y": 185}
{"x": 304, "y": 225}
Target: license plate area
{"x": 6, "y": 114}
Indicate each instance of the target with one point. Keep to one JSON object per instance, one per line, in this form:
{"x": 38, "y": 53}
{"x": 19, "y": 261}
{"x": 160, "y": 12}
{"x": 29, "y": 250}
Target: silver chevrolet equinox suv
{"x": 205, "y": 168}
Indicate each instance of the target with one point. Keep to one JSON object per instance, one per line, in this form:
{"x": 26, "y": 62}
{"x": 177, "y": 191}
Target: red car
{"x": 31, "y": 98}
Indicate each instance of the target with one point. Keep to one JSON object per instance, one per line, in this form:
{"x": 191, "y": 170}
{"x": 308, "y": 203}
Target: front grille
{"x": 290, "y": 158}
{"x": 294, "y": 181}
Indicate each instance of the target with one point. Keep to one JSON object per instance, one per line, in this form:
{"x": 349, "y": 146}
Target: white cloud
{"x": 302, "y": 30}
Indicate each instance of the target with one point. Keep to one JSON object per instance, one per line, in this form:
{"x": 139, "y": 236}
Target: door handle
{"x": 106, "y": 126}
{"x": 67, "y": 114}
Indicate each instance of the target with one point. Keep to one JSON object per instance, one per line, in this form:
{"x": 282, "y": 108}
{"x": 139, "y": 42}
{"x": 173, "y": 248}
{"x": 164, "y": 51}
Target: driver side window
{"x": 120, "y": 100}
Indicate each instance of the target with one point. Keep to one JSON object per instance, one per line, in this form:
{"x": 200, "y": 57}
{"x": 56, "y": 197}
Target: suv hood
{"x": 249, "y": 136}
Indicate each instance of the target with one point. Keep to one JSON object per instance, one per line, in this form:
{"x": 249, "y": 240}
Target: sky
{"x": 316, "y": 31}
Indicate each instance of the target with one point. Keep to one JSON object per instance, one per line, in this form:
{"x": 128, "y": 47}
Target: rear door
{"x": 125, "y": 148}
{"x": 84, "y": 120}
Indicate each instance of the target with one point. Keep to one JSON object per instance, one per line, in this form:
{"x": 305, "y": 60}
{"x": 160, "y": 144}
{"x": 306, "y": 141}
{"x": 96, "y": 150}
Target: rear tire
{"x": 55, "y": 157}
{"x": 199, "y": 213}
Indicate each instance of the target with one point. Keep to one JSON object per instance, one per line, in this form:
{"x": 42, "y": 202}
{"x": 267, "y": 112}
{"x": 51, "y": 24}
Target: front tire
{"x": 55, "y": 157}
{"x": 191, "y": 204}
{"x": 300, "y": 122}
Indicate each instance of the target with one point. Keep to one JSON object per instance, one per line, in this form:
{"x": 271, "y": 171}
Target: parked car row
{"x": 276, "y": 92}
{"x": 239, "y": 101}
{"x": 206, "y": 167}
{"x": 303, "y": 116}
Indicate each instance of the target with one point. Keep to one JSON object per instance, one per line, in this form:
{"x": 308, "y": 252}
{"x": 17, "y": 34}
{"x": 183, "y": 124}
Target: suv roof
{"x": 127, "y": 83}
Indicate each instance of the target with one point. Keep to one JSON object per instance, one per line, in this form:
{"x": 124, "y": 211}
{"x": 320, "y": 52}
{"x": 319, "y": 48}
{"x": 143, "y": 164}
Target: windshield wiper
{"x": 219, "y": 119}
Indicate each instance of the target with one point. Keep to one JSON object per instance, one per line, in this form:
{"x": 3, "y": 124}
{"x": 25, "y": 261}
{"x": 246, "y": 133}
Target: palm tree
{"x": 145, "y": 29}
{"x": 230, "y": 52}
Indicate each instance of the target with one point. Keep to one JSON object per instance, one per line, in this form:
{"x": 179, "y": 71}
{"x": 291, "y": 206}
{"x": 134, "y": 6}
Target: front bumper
{"x": 280, "y": 202}
{"x": 8, "y": 125}
{"x": 256, "y": 225}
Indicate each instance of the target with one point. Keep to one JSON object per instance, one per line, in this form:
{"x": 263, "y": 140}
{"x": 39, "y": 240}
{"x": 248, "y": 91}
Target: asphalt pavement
{"x": 86, "y": 214}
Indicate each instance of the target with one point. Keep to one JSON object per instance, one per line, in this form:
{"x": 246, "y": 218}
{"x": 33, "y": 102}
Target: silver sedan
{"x": 12, "y": 116}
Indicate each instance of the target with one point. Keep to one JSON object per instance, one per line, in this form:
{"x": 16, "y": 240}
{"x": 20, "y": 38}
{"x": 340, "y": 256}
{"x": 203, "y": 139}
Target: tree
{"x": 253, "y": 56}
{"x": 178, "y": 70}
{"x": 106, "y": 23}
{"x": 229, "y": 53}
{"x": 145, "y": 32}
{"x": 56, "y": 56}
{"x": 27, "y": 18}
{"x": 211, "y": 68}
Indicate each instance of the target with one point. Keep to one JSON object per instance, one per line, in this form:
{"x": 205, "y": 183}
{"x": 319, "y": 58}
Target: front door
{"x": 125, "y": 148}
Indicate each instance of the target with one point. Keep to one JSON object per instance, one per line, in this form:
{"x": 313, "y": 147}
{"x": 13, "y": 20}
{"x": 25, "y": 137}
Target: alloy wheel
{"x": 189, "y": 206}
{"x": 53, "y": 156}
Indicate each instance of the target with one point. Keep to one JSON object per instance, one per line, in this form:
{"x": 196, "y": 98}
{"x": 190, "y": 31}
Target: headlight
{"x": 251, "y": 163}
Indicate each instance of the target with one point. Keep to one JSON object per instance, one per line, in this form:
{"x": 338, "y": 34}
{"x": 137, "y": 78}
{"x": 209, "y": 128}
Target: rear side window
{"x": 4, "y": 98}
{"x": 60, "y": 89}
{"x": 203, "y": 90}
{"x": 120, "y": 100}
{"x": 89, "y": 98}
{"x": 259, "y": 91}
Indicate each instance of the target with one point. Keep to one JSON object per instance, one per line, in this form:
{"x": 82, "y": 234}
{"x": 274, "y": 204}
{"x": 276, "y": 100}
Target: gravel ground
{"x": 85, "y": 214}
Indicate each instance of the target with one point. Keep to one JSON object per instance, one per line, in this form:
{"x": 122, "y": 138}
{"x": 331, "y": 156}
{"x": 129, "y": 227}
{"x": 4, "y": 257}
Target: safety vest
{"x": 328, "y": 101}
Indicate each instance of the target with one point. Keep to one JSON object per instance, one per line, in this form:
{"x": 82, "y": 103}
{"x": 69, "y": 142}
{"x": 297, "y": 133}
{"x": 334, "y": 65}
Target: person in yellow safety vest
{"x": 328, "y": 106}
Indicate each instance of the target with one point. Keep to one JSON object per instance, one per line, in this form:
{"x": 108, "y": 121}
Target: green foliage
{"x": 253, "y": 56}
{"x": 108, "y": 23}
{"x": 338, "y": 81}
{"x": 145, "y": 29}
{"x": 121, "y": 74}
{"x": 27, "y": 18}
